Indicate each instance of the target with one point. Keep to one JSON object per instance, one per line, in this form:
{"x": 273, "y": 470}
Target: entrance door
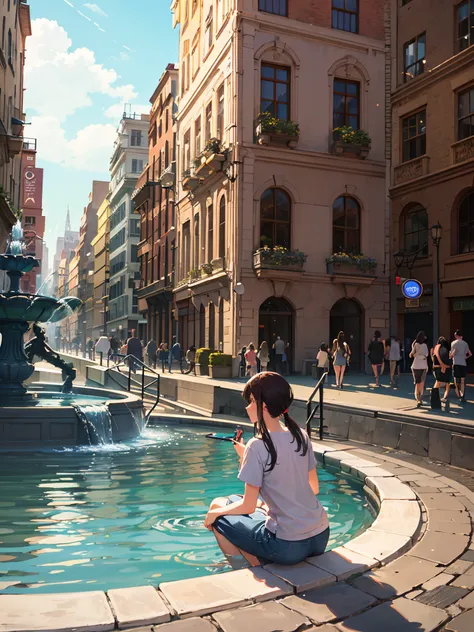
{"x": 276, "y": 319}
{"x": 346, "y": 316}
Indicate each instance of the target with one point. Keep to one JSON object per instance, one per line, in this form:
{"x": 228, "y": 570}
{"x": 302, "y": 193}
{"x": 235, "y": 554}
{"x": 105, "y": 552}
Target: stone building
{"x": 154, "y": 197}
{"x": 433, "y": 162}
{"x": 100, "y": 246}
{"x": 262, "y": 177}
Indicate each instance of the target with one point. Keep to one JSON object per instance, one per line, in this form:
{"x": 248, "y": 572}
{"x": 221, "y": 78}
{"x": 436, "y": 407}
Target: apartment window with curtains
{"x": 197, "y": 135}
{"x": 222, "y": 227}
{"x": 220, "y": 113}
{"x": 208, "y": 130}
{"x": 465, "y": 25}
{"x": 346, "y": 103}
{"x": 210, "y": 233}
{"x": 345, "y": 15}
{"x": 278, "y": 7}
{"x": 414, "y": 57}
{"x": 275, "y": 90}
{"x": 466, "y": 113}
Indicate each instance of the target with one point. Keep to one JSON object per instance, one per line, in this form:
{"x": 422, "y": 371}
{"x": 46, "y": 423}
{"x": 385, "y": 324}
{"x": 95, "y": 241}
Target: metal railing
{"x": 131, "y": 363}
{"x": 319, "y": 406}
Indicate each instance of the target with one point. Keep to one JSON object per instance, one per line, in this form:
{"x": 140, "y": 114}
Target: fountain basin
{"x": 49, "y": 420}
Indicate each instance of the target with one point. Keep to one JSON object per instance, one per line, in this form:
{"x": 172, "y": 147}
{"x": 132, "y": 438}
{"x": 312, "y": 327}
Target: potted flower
{"x": 348, "y": 263}
{"x": 346, "y": 139}
{"x": 272, "y": 130}
{"x": 279, "y": 256}
{"x": 202, "y": 361}
{"x": 207, "y": 268}
{"x": 220, "y": 365}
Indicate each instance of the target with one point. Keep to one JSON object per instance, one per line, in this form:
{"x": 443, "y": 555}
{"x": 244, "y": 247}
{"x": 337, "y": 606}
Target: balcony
{"x": 410, "y": 170}
{"x": 15, "y": 145}
{"x": 351, "y": 269}
{"x": 29, "y": 144}
{"x": 276, "y": 132}
{"x": 463, "y": 150}
{"x": 190, "y": 181}
{"x": 350, "y": 143}
{"x": 279, "y": 263}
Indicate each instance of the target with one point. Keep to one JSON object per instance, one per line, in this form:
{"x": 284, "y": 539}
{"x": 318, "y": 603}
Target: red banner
{"x": 32, "y": 192}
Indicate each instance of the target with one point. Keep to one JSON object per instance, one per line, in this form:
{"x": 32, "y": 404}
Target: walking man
{"x": 279, "y": 347}
{"x": 460, "y": 352}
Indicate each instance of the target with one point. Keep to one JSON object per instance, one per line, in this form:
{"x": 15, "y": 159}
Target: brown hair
{"x": 274, "y": 391}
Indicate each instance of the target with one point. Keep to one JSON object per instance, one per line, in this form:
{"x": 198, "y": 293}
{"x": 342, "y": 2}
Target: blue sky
{"x": 83, "y": 62}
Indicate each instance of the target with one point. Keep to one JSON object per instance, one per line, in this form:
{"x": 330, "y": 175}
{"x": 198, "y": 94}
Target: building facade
{"x": 154, "y": 198}
{"x": 433, "y": 162}
{"x": 128, "y": 160}
{"x": 16, "y": 27}
{"x": 100, "y": 246}
{"x": 267, "y": 191}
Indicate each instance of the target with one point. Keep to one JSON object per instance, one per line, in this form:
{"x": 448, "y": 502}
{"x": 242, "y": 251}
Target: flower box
{"x": 202, "y": 369}
{"x": 351, "y": 265}
{"x": 220, "y": 372}
{"x": 215, "y": 161}
{"x": 270, "y": 130}
{"x": 278, "y": 139}
{"x": 339, "y": 148}
{"x": 190, "y": 180}
{"x": 278, "y": 262}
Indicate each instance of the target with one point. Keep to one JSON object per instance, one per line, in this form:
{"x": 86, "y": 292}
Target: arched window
{"x": 222, "y": 227}
{"x": 3, "y": 33}
{"x": 221, "y": 325}
{"x": 212, "y": 326}
{"x": 10, "y": 60}
{"x": 415, "y": 231}
{"x": 275, "y": 219}
{"x": 466, "y": 223}
{"x": 346, "y": 225}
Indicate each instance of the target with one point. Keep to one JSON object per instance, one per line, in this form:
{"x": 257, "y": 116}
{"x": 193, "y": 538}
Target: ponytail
{"x": 301, "y": 442}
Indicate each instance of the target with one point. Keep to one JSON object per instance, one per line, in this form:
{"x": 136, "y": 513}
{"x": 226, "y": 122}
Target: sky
{"x": 84, "y": 61}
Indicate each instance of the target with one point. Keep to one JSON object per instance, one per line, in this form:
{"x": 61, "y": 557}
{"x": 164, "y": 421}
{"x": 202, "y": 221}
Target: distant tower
{"x": 68, "y": 222}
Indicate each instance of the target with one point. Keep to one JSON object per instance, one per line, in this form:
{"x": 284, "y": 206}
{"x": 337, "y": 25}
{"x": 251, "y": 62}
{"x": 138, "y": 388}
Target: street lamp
{"x": 436, "y": 234}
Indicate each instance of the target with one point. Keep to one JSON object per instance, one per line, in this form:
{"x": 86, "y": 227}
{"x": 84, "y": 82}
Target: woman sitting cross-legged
{"x": 278, "y": 464}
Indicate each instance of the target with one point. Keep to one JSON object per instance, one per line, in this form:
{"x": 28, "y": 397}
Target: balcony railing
{"x": 410, "y": 170}
{"x": 29, "y": 144}
{"x": 463, "y": 150}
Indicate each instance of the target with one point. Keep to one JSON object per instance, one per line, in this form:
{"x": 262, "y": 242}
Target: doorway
{"x": 346, "y": 316}
{"x": 276, "y": 319}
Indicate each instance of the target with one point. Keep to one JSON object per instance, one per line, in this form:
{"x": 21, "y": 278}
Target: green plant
{"x": 349, "y": 259}
{"x": 350, "y": 136}
{"x": 272, "y": 125}
{"x": 281, "y": 256}
{"x": 220, "y": 359}
{"x": 197, "y": 162}
{"x": 207, "y": 267}
{"x": 213, "y": 146}
{"x": 202, "y": 356}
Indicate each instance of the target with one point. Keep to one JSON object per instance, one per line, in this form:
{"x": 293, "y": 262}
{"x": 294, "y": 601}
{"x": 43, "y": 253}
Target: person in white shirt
{"x": 460, "y": 352}
{"x": 419, "y": 353}
{"x": 279, "y": 348}
{"x": 394, "y": 358}
{"x": 323, "y": 360}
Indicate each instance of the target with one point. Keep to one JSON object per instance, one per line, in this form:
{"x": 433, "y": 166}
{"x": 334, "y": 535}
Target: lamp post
{"x": 436, "y": 234}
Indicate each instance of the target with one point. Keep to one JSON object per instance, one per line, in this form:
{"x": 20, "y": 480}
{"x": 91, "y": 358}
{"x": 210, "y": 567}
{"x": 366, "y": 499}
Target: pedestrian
{"x": 251, "y": 360}
{"x": 163, "y": 355}
{"x": 442, "y": 370}
{"x": 323, "y": 360}
{"x": 394, "y": 358}
{"x": 376, "y": 354}
{"x": 174, "y": 354}
{"x": 191, "y": 360}
{"x": 89, "y": 347}
{"x": 263, "y": 355}
{"x": 460, "y": 353}
{"x": 419, "y": 353}
{"x": 279, "y": 347}
{"x": 341, "y": 355}
{"x": 151, "y": 350}
{"x": 242, "y": 365}
{"x": 134, "y": 349}
{"x": 277, "y": 464}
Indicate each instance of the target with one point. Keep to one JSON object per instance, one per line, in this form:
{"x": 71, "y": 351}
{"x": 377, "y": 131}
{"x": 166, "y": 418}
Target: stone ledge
{"x": 138, "y": 606}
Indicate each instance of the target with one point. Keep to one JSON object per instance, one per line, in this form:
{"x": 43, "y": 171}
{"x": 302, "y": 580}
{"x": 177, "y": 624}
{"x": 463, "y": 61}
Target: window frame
{"x": 470, "y": 25}
{"x": 220, "y": 131}
{"x": 336, "y": 11}
{"x": 273, "y": 11}
{"x": 404, "y": 142}
{"x": 419, "y": 61}
{"x": 222, "y": 227}
{"x": 346, "y": 227}
{"x": 210, "y": 233}
{"x": 345, "y": 95}
{"x": 466, "y": 227}
{"x": 470, "y": 92}
{"x": 407, "y": 215}
{"x": 275, "y": 222}
{"x": 275, "y": 82}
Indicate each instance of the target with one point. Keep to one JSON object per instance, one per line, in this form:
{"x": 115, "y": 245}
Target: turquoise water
{"x": 47, "y": 399}
{"x": 123, "y": 515}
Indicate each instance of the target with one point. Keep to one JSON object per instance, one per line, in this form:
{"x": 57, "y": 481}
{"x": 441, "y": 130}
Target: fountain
{"x": 49, "y": 414}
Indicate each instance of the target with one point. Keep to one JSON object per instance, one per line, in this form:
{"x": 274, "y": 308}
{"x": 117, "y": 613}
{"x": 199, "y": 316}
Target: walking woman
{"x": 163, "y": 355}
{"x": 341, "y": 354}
{"x": 279, "y": 465}
{"x": 251, "y": 360}
{"x": 442, "y": 367}
{"x": 263, "y": 355}
{"x": 376, "y": 353}
{"x": 419, "y": 368}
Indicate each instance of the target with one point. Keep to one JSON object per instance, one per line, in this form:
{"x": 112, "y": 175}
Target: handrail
{"x": 319, "y": 388}
{"x": 130, "y": 360}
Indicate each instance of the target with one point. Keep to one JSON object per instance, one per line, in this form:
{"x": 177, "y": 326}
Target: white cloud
{"x": 114, "y": 112}
{"x": 124, "y": 56}
{"x": 95, "y": 9}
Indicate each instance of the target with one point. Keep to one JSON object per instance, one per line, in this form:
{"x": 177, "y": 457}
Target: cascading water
{"x": 16, "y": 245}
{"x": 97, "y": 423}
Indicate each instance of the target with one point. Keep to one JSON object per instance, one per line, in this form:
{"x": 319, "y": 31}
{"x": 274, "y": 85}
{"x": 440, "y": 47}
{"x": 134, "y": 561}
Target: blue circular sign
{"x": 412, "y": 289}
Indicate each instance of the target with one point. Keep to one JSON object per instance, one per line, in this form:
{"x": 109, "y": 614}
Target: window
{"x": 220, "y": 113}
{"x": 465, "y": 28}
{"x": 167, "y": 154}
{"x": 134, "y": 228}
{"x": 346, "y": 103}
{"x": 197, "y": 135}
{"x": 208, "y": 33}
{"x": 208, "y": 130}
{"x": 187, "y": 150}
{"x": 3, "y": 33}
{"x": 414, "y": 54}
{"x": 117, "y": 263}
{"x": 117, "y": 289}
{"x": 117, "y": 216}
{"x": 153, "y": 135}
{"x": 222, "y": 227}
{"x": 196, "y": 242}
{"x": 466, "y": 224}
{"x": 212, "y": 326}
{"x": 186, "y": 249}
{"x": 10, "y": 60}
{"x": 136, "y": 138}
{"x": 275, "y": 219}
{"x": 134, "y": 253}
{"x": 117, "y": 240}
{"x": 279, "y": 7}
{"x": 275, "y": 91}
{"x": 414, "y": 136}
{"x": 167, "y": 120}
{"x": 30, "y": 220}
{"x": 346, "y": 225}
{"x": 466, "y": 114}
{"x": 137, "y": 165}
{"x": 345, "y": 15}
{"x": 415, "y": 231}
{"x": 210, "y": 233}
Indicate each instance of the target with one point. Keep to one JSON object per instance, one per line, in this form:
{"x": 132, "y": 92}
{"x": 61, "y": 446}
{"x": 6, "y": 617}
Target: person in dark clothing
{"x": 151, "y": 350}
{"x": 174, "y": 354}
{"x": 376, "y": 353}
{"x": 134, "y": 348}
{"x": 442, "y": 368}
{"x": 243, "y": 364}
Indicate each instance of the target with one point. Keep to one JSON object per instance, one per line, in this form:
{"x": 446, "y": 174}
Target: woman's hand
{"x": 210, "y": 518}
{"x": 239, "y": 447}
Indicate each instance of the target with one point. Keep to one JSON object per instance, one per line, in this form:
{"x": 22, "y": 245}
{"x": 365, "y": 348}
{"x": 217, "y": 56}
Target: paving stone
{"x": 467, "y": 602}
{"x": 390, "y": 488}
{"x": 425, "y": 490}
{"x": 69, "y": 611}
{"x": 397, "y": 469}
{"x": 330, "y": 603}
{"x": 442, "y": 548}
{"x": 141, "y": 605}
{"x": 342, "y": 563}
{"x": 459, "y": 567}
{"x": 302, "y": 576}
{"x": 398, "y": 516}
{"x": 466, "y": 580}
{"x": 266, "y": 617}
{"x": 371, "y": 471}
{"x": 399, "y": 577}
{"x": 422, "y": 480}
{"x": 195, "y": 597}
{"x": 443, "y": 596}
{"x": 193, "y": 624}
{"x": 461, "y": 528}
{"x": 468, "y": 556}
{"x": 413, "y": 594}
{"x": 463, "y": 623}
{"x": 354, "y": 463}
{"x": 400, "y": 615}
{"x": 440, "y": 580}
{"x": 454, "y": 610}
{"x": 384, "y": 547}
{"x": 441, "y": 501}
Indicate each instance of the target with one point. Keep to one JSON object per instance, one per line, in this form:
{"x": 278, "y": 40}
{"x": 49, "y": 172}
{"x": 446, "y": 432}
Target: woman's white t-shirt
{"x": 420, "y": 355}
{"x": 323, "y": 359}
